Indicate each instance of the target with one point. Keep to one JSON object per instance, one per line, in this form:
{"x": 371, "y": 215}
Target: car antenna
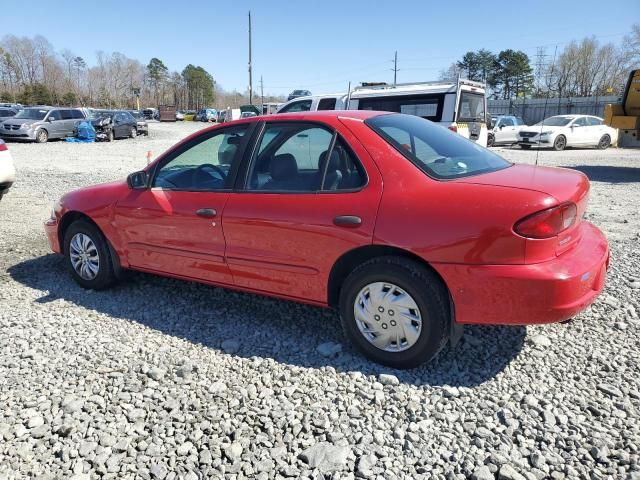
{"x": 546, "y": 100}
{"x": 348, "y": 96}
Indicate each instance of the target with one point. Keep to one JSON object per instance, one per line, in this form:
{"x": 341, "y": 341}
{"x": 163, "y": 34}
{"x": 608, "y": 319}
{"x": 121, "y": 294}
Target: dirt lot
{"x": 164, "y": 379}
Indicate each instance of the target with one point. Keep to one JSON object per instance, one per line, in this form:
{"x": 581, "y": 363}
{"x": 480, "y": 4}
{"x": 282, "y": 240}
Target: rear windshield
{"x": 438, "y": 152}
{"x": 471, "y": 107}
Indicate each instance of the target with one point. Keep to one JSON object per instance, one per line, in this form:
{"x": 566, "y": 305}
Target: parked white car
{"x": 568, "y": 131}
{"x": 7, "y": 172}
{"x": 505, "y": 130}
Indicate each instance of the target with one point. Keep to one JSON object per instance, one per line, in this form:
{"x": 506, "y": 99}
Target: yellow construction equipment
{"x": 625, "y": 116}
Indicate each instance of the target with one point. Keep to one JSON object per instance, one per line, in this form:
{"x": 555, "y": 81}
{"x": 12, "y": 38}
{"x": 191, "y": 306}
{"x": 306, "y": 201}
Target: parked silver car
{"x": 41, "y": 123}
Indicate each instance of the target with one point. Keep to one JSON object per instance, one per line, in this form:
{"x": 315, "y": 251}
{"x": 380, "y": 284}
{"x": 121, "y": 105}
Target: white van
{"x": 459, "y": 106}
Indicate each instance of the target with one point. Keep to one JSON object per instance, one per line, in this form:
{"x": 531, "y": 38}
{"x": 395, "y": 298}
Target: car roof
{"x": 325, "y": 114}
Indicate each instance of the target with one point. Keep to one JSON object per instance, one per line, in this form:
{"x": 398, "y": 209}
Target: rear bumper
{"x": 544, "y": 292}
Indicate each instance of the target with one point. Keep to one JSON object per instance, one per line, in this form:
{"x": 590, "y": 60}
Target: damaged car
{"x": 110, "y": 124}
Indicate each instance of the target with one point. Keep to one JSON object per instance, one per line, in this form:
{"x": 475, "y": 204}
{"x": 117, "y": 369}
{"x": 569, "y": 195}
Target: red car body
{"x": 288, "y": 246}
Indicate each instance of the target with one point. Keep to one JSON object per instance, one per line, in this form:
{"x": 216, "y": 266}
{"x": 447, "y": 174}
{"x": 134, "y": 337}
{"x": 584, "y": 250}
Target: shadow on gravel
{"x": 611, "y": 174}
{"x": 287, "y": 332}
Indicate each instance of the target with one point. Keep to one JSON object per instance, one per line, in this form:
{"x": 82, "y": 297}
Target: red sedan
{"x": 409, "y": 229}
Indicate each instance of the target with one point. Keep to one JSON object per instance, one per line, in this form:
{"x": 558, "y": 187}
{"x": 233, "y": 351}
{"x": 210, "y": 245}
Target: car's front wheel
{"x": 559, "y": 143}
{"x": 395, "y": 311}
{"x": 133, "y": 133}
{"x": 88, "y": 256}
{"x": 42, "y": 136}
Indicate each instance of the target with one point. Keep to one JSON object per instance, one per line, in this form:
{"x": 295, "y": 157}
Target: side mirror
{"x": 138, "y": 180}
{"x": 49, "y": 119}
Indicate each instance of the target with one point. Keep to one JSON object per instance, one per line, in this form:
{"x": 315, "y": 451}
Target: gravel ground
{"x": 163, "y": 379}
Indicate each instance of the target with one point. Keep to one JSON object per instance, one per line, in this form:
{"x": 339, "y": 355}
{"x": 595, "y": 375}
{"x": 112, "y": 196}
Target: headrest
{"x": 283, "y": 167}
{"x": 225, "y": 156}
{"x": 334, "y": 162}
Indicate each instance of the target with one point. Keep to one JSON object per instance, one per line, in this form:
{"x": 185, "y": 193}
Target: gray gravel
{"x": 162, "y": 379}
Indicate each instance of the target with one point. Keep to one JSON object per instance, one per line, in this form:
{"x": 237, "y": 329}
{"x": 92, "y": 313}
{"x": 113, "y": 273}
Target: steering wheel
{"x": 201, "y": 169}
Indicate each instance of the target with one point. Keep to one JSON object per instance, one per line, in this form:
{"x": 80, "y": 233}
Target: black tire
{"x": 133, "y": 133}
{"x": 560, "y": 143}
{"x": 110, "y": 136}
{"x": 428, "y": 292}
{"x": 42, "y": 136}
{"x": 604, "y": 143}
{"x": 106, "y": 276}
{"x": 525, "y": 147}
{"x": 490, "y": 141}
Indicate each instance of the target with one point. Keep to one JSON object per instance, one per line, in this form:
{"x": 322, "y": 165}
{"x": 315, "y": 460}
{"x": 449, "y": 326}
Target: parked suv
{"x": 41, "y": 124}
{"x": 298, "y": 93}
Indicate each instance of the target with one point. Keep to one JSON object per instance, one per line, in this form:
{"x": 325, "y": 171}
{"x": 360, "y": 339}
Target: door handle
{"x": 347, "y": 221}
{"x": 206, "y": 212}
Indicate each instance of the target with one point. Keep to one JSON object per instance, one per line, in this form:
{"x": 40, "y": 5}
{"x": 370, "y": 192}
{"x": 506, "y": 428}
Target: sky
{"x": 315, "y": 45}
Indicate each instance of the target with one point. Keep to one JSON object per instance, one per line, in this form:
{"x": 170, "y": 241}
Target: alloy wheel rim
{"x": 604, "y": 141}
{"x": 387, "y": 317}
{"x": 560, "y": 142}
{"x": 84, "y": 256}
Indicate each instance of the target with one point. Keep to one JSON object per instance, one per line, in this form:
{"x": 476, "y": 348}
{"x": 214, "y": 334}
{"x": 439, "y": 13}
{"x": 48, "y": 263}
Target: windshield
{"x": 136, "y": 114}
{"x": 471, "y": 107}
{"x": 32, "y": 114}
{"x": 93, "y": 114}
{"x": 438, "y": 152}
{"x": 555, "y": 121}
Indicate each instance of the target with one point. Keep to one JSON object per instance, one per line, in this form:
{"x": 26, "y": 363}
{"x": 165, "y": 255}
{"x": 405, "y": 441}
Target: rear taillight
{"x": 453, "y": 127}
{"x": 3, "y": 147}
{"x": 547, "y": 223}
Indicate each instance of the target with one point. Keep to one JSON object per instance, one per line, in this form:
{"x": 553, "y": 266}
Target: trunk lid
{"x": 563, "y": 184}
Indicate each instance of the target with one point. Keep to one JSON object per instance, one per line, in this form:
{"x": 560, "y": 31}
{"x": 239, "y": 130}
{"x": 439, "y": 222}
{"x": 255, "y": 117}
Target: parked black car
{"x": 110, "y": 124}
{"x": 298, "y": 93}
{"x": 141, "y": 123}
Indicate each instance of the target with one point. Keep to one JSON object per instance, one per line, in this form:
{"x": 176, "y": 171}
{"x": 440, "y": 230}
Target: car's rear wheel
{"x": 490, "y": 141}
{"x": 604, "y": 143}
{"x": 133, "y": 133}
{"x": 395, "y": 311}
{"x": 88, "y": 256}
{"x": 559, "y": 143}
{"x": 525, "y": 147}
{"x": 42, "y": 136}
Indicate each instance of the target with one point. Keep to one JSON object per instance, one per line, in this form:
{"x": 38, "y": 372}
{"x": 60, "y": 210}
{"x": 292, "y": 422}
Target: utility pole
{"x": 395, "y": 68}
{"x": 261, "y": 94}
{"x": 250, "y": 72}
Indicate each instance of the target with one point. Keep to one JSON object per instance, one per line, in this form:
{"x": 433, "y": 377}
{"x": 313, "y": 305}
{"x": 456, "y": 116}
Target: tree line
{"x": 32, "y": 72}
{"x": 580, "y": 69}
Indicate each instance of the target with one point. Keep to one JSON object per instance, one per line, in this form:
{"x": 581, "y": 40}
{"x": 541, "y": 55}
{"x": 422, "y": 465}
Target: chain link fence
{"x": 534, "y": 110}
